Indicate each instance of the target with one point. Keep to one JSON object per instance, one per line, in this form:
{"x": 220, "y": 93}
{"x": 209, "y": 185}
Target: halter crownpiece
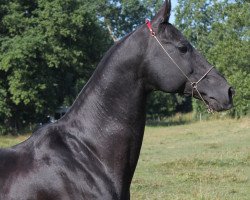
{"x": 150, "y": 27}
{"x": 194, "y": 85}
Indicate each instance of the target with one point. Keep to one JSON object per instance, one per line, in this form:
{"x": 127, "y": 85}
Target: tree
{"x": 48, "y": 49}
{"x": 220, "y": 29}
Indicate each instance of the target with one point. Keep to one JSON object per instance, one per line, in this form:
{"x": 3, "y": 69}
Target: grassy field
{"x": 197, "y": 161}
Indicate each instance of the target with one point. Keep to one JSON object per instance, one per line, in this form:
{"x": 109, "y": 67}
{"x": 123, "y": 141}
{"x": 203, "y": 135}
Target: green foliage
{"x": 46, "y": 47}
{"x": 220, "y": 29}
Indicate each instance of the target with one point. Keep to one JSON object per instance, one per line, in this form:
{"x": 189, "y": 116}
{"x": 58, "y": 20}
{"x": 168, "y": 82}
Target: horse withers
{"x": 92, "y": 152}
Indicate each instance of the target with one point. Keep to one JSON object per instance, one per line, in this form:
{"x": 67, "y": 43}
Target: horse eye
{"x": 183, "y": 49}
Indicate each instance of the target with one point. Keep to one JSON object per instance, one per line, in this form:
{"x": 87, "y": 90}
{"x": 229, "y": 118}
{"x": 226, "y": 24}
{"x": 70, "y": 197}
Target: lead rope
{"x": 194, "y": 85}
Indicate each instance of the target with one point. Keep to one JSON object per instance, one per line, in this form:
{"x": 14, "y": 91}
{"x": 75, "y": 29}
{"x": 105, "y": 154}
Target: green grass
{"x": 207, "y": 160}
{"x": 198, "y": 161}
{"x": 6, "y": 141}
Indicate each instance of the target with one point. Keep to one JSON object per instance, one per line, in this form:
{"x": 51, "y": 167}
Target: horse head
{"x": 173, "y": 65}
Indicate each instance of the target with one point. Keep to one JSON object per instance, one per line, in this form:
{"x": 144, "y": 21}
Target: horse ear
{"x": 167, "y": 12}
{"x": 164, "y": 14}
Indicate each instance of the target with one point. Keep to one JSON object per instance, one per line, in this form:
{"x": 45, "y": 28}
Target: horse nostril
{"x": 231, "y": 92}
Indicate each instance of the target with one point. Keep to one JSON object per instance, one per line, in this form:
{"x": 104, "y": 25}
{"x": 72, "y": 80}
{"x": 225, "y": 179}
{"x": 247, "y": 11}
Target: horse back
{"x": 50, "y": 166}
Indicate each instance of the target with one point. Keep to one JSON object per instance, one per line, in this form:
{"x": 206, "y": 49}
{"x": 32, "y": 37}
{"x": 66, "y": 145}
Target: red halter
{"x": 150, "y": 27}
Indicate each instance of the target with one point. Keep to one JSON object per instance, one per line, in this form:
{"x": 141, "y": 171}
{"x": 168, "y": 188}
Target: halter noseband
{"x": 194, "y": 85}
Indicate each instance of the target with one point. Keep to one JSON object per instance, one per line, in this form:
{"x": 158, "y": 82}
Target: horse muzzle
{"x": 221, "y": 102}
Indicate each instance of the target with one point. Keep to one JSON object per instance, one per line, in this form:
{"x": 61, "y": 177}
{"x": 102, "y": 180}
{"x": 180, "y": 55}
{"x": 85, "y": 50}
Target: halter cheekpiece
{"x": 194, "y": 85}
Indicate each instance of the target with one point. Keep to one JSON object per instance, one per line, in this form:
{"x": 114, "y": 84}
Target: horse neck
{"x": 115, "y": 91}
{"x": 110, "y": 111}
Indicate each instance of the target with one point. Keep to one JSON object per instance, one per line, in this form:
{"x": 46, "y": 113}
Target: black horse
{"x": 92, "y": 152}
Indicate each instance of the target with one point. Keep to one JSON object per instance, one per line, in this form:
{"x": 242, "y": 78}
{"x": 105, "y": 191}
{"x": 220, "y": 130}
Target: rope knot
{"x": 194, "y": 85}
